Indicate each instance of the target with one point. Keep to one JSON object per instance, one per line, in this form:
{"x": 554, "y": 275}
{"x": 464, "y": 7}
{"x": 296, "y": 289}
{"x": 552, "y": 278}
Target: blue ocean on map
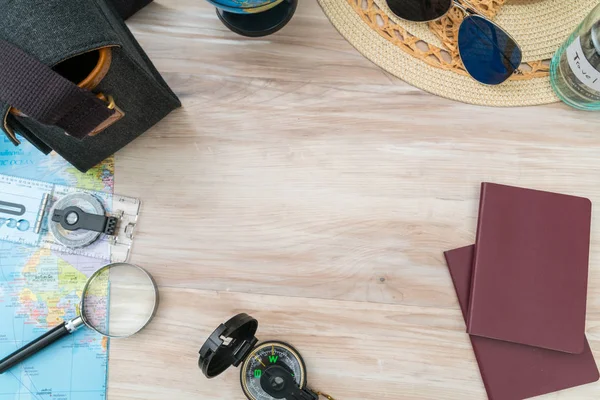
{"x": 39, "y": 289}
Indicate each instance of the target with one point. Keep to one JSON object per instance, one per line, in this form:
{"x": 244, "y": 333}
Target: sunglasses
{"x": 490, "y": 55}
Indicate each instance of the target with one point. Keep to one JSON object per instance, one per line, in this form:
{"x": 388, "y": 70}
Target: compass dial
{"x": 264, "y": 355}
{"x": 79, "y": 238}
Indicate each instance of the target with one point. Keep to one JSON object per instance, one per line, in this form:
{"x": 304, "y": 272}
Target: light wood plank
{"x": 353, "y": 350}
{"x": 304, "y": 185}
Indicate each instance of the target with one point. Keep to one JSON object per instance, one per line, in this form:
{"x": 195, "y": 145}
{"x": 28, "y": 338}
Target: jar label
{"x": 581, "y": 67}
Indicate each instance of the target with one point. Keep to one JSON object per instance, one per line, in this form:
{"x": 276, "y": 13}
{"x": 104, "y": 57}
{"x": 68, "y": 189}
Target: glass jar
{"x": 575, "y": 68}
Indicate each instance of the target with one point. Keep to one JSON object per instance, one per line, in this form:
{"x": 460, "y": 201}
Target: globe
{"x": 245, "y": 6}
{"x": 255, "y": 18}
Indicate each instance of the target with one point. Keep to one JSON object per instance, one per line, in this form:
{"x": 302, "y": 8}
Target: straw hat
{"x": 425, "y": 55}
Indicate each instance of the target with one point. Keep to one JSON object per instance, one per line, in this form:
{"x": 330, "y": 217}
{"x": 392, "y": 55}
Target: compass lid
{"x": 228, "y": 345}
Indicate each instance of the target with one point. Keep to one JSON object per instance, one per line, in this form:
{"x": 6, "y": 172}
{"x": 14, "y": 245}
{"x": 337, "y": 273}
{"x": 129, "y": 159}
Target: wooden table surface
{"x": 303, "y": 185}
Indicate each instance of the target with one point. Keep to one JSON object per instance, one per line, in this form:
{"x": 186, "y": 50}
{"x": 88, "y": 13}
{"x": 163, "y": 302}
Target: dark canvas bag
{"x": 126, "y": 8}
{"x": 48, "y": 98}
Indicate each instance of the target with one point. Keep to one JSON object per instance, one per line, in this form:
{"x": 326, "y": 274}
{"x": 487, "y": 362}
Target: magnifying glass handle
{"x": 40, "y": 343}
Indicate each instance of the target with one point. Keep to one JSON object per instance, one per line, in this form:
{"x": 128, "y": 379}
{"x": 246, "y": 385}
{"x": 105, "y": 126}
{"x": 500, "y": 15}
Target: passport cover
{"x": 530, "y": 272}
{"x": 512, "y": 371}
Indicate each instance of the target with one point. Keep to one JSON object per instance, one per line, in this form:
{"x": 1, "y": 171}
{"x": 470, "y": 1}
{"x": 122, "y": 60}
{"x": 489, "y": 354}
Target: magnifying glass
{"x": 118, "y": 301}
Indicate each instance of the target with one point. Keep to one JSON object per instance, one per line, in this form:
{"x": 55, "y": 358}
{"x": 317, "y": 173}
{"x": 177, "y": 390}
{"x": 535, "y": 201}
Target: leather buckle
{"x": 10, "y": 133}
{"x": 111, "y": 105}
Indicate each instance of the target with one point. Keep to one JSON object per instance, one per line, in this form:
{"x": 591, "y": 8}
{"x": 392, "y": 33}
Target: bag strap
{"x": 40, "y": 93}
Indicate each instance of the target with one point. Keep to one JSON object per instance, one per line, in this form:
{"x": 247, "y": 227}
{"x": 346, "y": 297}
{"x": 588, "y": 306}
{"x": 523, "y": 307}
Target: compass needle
{"x": 260, "y": 361}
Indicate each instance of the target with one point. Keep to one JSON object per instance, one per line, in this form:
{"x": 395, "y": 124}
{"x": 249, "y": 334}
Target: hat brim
{"x": 551, "y": 21}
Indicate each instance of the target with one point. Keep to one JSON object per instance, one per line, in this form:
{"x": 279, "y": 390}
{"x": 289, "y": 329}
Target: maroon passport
{"x": 512, "y": 371}
{"x": 530, "y": 272}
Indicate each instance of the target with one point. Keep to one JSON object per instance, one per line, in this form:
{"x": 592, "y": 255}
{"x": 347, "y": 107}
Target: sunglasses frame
{"x": 471, "y": 11}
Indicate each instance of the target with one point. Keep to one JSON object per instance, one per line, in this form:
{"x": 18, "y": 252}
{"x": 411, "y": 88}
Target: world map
{"x": 39, "y": 289}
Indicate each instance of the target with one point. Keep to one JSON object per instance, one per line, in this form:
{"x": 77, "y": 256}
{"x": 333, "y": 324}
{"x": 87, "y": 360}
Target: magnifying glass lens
{"x": 119, "y": 301}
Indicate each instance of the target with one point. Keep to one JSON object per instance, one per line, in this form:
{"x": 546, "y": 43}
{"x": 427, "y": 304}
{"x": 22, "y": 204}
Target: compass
{"x": 264, "y": 363}
{"x": 78, "y": 220}
{"x": 269, "y": 371}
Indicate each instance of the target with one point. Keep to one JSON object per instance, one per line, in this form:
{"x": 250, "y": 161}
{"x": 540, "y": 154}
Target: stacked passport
{"x": 522, "y": 289}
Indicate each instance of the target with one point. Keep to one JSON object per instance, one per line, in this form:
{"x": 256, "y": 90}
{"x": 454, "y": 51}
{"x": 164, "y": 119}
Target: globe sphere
{"x": 245, "y": 6}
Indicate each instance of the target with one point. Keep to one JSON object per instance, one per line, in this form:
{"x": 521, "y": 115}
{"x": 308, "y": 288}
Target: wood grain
{"x": 303, "y": 185}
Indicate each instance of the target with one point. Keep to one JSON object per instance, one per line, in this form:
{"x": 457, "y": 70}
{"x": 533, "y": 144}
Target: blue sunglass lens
{"x": 419, "y": 10}
{"x": 489, "y": 54}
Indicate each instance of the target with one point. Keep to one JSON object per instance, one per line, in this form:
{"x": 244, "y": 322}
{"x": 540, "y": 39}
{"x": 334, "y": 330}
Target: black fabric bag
{"x": 126, "y": 8}
{"x": 73, "y": 79}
